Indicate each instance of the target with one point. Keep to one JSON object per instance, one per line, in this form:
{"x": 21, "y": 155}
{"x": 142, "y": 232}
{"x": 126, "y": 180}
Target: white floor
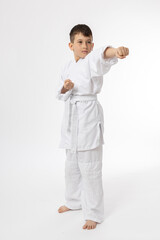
{"x": 31, "y": 193}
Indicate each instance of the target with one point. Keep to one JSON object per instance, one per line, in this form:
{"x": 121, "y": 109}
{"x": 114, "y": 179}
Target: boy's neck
{"x": 76, "y": 58}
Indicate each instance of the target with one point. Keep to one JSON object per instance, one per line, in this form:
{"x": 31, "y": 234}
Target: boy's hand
{"x": 121, "y": 52}
{"x": 68, "y": 84}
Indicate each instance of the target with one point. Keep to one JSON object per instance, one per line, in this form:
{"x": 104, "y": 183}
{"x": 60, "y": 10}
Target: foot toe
{"x": 90, "y": 225}
{"x": 63, "y": 209}
{"x": 85, "y": 226}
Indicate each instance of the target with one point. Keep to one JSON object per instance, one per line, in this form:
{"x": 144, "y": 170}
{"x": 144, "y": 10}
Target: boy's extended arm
{"x": 120, "y": 52}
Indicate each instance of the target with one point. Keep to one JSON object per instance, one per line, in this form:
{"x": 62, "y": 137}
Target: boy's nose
{"x": 85, "y": 46}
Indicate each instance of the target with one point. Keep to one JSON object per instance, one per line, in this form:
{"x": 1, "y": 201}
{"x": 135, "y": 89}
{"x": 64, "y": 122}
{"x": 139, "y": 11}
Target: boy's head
{"x": 81, "y": 41}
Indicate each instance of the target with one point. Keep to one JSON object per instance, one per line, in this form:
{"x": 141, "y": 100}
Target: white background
{"x": 34, "y": 37}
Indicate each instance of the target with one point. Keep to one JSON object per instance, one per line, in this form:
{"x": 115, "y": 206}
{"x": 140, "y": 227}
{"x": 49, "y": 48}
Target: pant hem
{"x": 73, "y": 208}
{"x": 94, "y": 219}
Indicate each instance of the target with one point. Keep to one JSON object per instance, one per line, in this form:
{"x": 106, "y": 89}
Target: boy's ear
{"x": 70, "y": 45}
{"x": 92, "y": 45}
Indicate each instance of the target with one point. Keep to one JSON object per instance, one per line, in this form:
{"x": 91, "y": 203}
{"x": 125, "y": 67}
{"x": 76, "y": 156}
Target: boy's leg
{"x": 90, "y": 163}
{"x": 72, "y": 181}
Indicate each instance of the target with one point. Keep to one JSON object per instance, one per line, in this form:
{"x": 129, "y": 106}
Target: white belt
{"x": 73, "y": 99}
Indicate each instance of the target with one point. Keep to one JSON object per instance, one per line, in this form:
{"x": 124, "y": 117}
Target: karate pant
{"x": 83, "y": 183}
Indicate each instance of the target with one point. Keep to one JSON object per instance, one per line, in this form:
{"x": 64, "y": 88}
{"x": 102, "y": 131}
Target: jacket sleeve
{"x": 59, "y": 95}
{"x": 98, "y": 64}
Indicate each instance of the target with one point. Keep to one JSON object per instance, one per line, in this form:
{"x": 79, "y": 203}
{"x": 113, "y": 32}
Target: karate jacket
{"x": 87, "y": 76}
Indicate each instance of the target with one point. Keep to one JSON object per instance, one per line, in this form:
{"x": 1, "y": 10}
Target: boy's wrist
{"x": 109, "y": 52}
{"x": 64, "y": 90}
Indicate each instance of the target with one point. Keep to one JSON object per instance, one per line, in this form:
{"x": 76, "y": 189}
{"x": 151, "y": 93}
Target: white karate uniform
{"x": 82, "y": 132}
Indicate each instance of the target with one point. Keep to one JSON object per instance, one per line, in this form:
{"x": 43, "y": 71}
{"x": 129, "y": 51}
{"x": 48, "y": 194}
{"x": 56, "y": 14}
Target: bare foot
{"x": 90, "y": 224}
{"x": 63, "y": 209}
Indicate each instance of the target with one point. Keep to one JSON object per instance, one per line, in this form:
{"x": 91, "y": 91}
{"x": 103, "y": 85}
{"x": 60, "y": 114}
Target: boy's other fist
{"x": 121, "y": 52}
{"x": 68, "y": 84}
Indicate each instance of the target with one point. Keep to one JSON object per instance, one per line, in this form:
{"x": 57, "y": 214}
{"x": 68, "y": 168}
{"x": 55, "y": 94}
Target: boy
{"x": 83, "y": 123}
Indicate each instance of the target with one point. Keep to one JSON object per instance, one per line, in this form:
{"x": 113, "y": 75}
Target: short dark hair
{"x": 80, "y": 28}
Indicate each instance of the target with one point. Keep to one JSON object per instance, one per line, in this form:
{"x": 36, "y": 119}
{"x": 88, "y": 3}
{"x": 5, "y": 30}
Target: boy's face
{"x": 82, "y": 46}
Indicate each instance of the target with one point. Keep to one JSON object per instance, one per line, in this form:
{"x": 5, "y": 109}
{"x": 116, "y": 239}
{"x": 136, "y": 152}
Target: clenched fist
{"x": 68, "y": 84}
{"x": 121, "y": 52}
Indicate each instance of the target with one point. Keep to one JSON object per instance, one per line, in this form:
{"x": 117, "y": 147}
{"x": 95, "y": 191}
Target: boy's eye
{"x": 81, "y": 42}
